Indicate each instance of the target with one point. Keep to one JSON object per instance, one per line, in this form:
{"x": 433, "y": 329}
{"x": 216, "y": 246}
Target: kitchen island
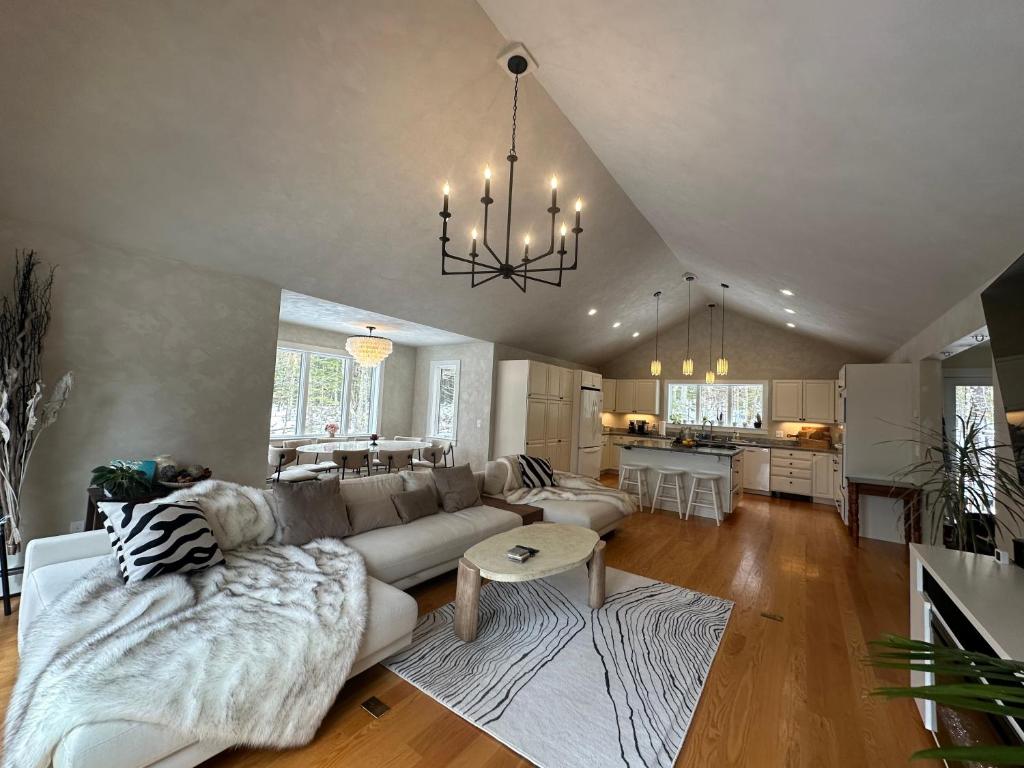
{"x": 727, "y": 463}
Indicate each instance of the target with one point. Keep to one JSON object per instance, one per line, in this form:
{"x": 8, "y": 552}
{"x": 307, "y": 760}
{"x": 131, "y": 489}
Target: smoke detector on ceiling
{"x": 516, "y": 60}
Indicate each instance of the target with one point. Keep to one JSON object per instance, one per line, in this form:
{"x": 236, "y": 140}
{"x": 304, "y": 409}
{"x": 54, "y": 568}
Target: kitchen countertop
{"x": 743, "y": 442}
{"x": 661, "y": 445}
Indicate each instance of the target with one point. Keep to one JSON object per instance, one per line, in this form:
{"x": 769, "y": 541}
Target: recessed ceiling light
{"x": 591, "y": 311}
{"x": 785, "y": 291}
{"x": 616, "y": 324}
{"x": 789, "y": 311}
{"x": 791, "y": 325}
{"x": 635, "y": 334}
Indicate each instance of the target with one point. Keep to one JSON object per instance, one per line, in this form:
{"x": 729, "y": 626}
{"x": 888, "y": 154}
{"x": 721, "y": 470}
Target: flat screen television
{"x": 1003, "y": 302}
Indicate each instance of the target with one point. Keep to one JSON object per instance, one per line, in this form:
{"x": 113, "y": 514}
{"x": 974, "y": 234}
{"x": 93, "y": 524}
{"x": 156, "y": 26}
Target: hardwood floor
{"x": 781, "y": 693}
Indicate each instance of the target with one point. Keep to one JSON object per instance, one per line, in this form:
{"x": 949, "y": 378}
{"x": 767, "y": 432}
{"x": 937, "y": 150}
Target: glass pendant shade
{"x": 655, "y": 367}
{"x": 709, "y": 377}
{"x": 369, "y": 351}
{"x": 656, "y": 362}
{"x": 722, "y": 366}
{"x": 688, "y": 367}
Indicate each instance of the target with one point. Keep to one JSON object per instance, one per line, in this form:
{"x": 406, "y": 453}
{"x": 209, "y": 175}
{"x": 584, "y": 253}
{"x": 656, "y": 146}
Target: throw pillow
{"x": 115, "y": 543}
{"x": 162, "y": 537}
{"x": 412, "y": 505}
{"x": 457, "y": 487}
{"x": 311, "y": 510}
{"x": 370, "y": 514}
{"x": 536, "y": 472}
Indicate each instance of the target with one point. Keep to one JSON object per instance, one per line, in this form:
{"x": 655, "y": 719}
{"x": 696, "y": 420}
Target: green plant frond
{"x": 994, "y": 755}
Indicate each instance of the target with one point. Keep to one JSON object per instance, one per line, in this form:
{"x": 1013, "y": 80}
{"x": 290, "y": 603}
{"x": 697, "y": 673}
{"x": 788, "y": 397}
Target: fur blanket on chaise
{"x": 570, "y": 487}
{"x": 251, "y": 653}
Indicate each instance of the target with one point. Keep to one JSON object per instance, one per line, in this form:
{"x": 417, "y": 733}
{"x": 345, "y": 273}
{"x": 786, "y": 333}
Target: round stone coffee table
{"x": 561, "y": 548}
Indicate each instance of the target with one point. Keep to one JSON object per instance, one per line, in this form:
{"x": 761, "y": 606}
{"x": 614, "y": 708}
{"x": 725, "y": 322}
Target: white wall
{"x": 398, "y": 374}
{"x": 476, "y": 384}
{"x": 167, "y": 358}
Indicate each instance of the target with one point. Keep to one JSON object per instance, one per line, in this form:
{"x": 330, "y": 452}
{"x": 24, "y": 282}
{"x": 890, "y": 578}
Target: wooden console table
{"x": 888, "y": 489}
{"x": 528, "y": 512}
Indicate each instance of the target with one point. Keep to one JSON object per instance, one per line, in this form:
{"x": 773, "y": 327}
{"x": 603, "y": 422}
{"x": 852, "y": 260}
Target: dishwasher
{"x": 757, "y": 468}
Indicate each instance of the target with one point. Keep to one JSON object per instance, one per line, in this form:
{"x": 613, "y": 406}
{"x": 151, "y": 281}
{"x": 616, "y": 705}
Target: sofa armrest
{"x": 62, "y": 549}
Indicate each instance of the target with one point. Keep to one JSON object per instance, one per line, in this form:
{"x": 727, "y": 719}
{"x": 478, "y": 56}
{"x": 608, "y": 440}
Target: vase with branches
{"x": 24, "y": 320}
{"x": 970, "y": 485}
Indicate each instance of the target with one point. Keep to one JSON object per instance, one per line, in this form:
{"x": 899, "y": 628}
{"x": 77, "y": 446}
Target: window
{"x": 736, "y": 404}
{"x": 443, "y": 415}
{"x": 312, "y": 389}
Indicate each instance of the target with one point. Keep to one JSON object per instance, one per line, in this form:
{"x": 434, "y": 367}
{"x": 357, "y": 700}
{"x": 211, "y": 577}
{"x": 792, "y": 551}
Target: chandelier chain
{"x": 515, "y": 111}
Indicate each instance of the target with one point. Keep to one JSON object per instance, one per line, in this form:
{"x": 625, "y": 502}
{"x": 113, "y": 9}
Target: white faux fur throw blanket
{"x": 254, "y": 652}
{"x": 570, "y": 488}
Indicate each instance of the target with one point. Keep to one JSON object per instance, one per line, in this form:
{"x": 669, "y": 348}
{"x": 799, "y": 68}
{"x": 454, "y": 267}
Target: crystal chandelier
{"x": 722, "y": 364}
{"x": 369, "y": 350}
{"x": 688, "y": 362}
{"x": 709, "y": 377}
{"x": 485, "y": 267}
{"x": 656, "y": 362}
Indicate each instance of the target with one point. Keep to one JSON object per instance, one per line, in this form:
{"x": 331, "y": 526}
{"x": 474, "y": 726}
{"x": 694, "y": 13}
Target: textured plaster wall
{"x": 398, "y": 374}
{"x": 756, "y": 351}
{"x": 476, "y": 382}
{"x": 167, "y": 357}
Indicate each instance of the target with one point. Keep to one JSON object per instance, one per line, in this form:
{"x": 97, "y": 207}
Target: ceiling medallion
{"x": 484, "y": 268}
{"x": 369, "y": 350}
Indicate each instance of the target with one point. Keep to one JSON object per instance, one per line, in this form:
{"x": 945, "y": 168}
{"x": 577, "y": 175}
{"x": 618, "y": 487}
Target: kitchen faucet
{"x": 711, "y": 432}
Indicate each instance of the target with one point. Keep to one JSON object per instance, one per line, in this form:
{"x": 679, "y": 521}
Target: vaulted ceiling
{"x": 866, "y": 155}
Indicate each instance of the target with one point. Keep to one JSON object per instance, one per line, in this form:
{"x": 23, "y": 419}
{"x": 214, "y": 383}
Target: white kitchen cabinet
{"x": 565, "y": 384}
{"x": 551, "y": 410}
{"x": 538, "y": 449}
{"x": 787, "y": 399}
{"x": 821, "y": 475}
{"x": 608, "y": 394}
{"x": 535, "y": 412}
{"x": 558, "y": 456}
{"x": 564, "y": 430}
{"x": 645, "y": 399}
{"x": 812, "y": 400}
{"x": 554, "y": 380}
{"x": 538, "y": 379}
{"x": 791, "y": 471}
{"x": 588, "y": 379}
{"x": 625, "y": 395}
{"x": 819, "y": 400}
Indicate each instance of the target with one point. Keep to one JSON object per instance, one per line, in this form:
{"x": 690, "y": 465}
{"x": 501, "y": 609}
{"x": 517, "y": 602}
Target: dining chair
{"x": 448, "y": 451}
{"x": 429, "y": 458}
{"x": 392, "y": 461}
{"x": 351, "y": 461}
{"x": 413, "y": 440}
{"x": 280, "y": 457}
{"x": 313, "y": 466}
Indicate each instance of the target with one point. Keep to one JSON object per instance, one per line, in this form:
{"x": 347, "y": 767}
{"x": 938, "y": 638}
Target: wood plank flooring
{"x": 788, "y": 693}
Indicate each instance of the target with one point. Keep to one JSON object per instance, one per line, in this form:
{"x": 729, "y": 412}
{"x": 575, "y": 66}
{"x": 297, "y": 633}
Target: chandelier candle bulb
{"x": 446, "y": 190}
{"x": 487, "y": 183}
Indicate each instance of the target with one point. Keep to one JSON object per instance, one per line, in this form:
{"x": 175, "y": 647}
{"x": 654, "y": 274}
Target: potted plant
{"x": 122, "y": 481}
{"x": 331, "y": 429}
{"x": 970, "y": 488}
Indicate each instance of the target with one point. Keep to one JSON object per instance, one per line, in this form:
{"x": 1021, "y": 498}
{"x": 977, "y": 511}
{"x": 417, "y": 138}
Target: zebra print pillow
{"x": 162, "y": 537}
{"x": 115, "y": 542}
{"x": 536, "y": 472}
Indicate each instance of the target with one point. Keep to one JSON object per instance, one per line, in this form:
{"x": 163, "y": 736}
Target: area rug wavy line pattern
{"x": 565, "y": 685}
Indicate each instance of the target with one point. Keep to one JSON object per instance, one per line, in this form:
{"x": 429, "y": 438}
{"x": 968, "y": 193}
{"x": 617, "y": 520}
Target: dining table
{"x": 326, "y": 449}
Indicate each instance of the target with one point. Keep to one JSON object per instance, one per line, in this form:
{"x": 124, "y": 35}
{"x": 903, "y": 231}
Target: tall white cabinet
{"x": 534, "y": 411}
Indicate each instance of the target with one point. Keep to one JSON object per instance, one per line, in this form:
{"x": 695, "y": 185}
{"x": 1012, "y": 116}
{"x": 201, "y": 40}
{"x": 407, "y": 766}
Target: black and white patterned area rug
{"x": 564, "y": 685}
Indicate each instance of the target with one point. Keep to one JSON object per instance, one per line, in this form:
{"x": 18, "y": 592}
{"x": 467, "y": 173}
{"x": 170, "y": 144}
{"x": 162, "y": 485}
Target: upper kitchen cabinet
{"x": 538, "y": 380}
{"x": 548, "y": 381}
{"x": 608, "y": 394}
{"x": 646, "y": 397}
{"x": 588, "y": 379}
{"x": 565, "y": 384}
{"x": 804, "y": 400}
{"x": 625, "y": 395}
{"x": 787, "y": 400}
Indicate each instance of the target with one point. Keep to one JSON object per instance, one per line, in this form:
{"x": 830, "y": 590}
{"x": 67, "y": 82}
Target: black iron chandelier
{"x": 491, "y": 265}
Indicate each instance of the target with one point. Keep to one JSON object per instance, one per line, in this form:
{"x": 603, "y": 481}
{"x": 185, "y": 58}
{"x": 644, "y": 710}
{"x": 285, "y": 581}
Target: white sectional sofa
{"x": 598, "y": 516}
{"x": 396, "y": 557}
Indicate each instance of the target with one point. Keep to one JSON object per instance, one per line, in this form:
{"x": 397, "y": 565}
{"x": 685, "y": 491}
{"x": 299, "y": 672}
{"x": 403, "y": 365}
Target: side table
{"x": 528, "y": 512}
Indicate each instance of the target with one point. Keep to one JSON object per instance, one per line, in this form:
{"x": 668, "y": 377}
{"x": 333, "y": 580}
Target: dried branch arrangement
{"x": 24, "y": 319}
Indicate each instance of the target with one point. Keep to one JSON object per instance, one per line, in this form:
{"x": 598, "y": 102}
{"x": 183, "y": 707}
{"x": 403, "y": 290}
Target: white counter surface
{"x": 989, "y": 594}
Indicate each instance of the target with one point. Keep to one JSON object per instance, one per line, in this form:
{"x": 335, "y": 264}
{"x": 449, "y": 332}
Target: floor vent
{"x": 375, "y": 706}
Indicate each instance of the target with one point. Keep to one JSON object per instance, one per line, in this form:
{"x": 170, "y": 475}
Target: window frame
{"x": 302, "y": 430}
{"x": 763, "y": 383}
{"x": 433, "y": 402}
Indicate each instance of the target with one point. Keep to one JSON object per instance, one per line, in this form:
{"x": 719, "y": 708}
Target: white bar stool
{"x": 640, "y": 482}
{"x": 704, "y": 484}
{"x": 676, "y": 478}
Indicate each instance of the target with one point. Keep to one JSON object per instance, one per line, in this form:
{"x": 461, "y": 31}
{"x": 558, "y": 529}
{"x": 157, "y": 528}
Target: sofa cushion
{"x": 372, "y": 487}
{"x": 495, "y": 474}
{"x": 369, "y": 504}
{"x": 412, "y": 505}
{"x": 595, "y": 515}
{"x": 307, "y": 511}
{"x": 412, "y": 480}
{"x": 392, "y": 554}
{"x": 162, "y": 537}
{"x": 457, "y": 486}
{"x": 391, "y": 615}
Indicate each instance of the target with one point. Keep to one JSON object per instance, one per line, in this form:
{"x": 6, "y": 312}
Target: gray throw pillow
{"x": 310, "y": 510}
{"x": 412, "y": 505}
{"x": 457, "y": 487}
{"x": 370, "y": 514}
